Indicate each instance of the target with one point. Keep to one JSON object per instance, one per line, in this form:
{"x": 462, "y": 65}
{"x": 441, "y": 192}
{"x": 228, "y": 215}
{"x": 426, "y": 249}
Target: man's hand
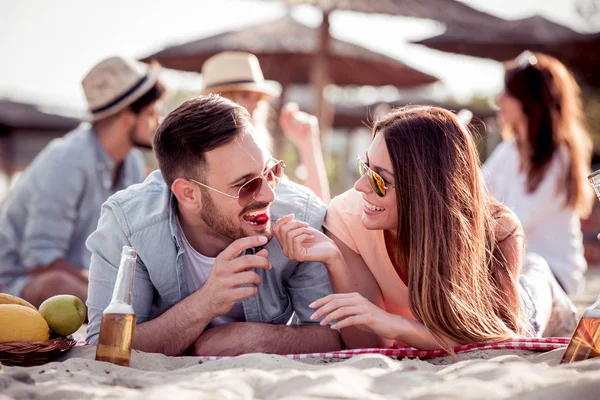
{"x": 223, "y": 286}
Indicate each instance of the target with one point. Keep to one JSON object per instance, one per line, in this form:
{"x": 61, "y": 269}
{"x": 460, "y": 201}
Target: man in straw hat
{"x": 238, "y": 76}
{"x": 211, "y": 279}
{"x": 56, "y": 204}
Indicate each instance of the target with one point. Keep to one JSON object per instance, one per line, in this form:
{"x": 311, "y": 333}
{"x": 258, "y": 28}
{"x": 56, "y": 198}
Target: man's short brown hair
{"x": 197, "y": 126}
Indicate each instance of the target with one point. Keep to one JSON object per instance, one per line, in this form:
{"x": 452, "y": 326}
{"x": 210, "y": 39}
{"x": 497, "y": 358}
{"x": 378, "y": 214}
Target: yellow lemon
{"x": 10, "y": 299}
{"x": 20, "y": 323}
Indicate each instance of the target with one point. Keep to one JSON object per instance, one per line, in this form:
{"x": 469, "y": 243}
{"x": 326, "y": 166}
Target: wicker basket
{"x": 29, "y": 354}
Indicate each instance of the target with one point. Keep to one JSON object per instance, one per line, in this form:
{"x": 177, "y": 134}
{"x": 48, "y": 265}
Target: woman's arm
{"x": 303, "y": 130}
{"x": 352, "y": 310}
{"x": 509, "y": 254}
{"x": 348, "y": 273}
{"x": 357, "y": 308}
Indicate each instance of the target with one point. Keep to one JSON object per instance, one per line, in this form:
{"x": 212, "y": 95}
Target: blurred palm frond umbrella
{"x": 506, "y": 39}
{"x": 287, "y": 51}
{"x": 446, "y": 11}
{"x": 25, "y": 129}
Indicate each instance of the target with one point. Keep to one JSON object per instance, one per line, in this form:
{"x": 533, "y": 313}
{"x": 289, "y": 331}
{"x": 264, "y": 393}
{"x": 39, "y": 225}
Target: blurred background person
{"x": 540, "y": 169}
{"x": 238, "y": 76}
{"x": 56, "y": 203}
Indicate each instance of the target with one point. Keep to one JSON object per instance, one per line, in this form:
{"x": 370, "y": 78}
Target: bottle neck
{"x": 596, "y": 305}
{"x": 593, "y": 311}
{"x": 123, "y": 291}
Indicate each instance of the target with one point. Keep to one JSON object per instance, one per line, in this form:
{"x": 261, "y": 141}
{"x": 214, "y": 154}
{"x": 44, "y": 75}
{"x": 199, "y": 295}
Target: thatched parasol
{"x": 286, "y": 50}
{"x": 506, "y": 39}
{"x": 26, "y": 128}
{"x": 446, "y": 11}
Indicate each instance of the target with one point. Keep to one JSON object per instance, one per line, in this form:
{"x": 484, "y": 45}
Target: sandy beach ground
{"x": 490, "y": 374}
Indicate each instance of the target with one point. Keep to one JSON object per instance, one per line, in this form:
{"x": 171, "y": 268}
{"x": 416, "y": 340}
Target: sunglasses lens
{"x": 375, "y": 180}
{"x": 274, "y": 174}
{"x": 377, "y": 183}
{"x": 249, "y": 191}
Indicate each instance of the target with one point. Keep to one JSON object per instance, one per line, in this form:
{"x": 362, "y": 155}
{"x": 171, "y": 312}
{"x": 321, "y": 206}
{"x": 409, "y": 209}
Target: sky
{"x": 47, "y": 47}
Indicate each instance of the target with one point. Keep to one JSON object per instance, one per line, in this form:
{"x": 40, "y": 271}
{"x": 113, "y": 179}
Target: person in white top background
{"x": 540, "y": 169}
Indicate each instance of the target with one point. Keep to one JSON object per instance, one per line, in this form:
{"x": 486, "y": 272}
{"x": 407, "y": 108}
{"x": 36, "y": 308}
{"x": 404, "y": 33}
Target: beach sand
{"x": 493, "y": 374}
{"x": 490, "y": 374}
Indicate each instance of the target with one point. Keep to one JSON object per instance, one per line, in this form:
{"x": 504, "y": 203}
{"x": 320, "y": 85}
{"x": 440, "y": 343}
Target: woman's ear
{"x": 187, "y": 193}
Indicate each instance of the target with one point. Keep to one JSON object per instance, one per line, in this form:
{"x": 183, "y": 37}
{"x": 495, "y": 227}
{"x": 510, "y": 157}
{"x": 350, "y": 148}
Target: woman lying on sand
{"x": 418, "y": 253}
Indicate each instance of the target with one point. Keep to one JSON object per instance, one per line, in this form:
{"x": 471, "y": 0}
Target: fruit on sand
{"x": 63, "y": 313}
{"x": 23, "y": 324}
{"x": 10, "y": 299}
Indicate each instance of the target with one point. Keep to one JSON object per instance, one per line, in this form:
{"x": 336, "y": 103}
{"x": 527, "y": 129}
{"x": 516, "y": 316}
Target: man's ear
{"x": 187, "y": 193}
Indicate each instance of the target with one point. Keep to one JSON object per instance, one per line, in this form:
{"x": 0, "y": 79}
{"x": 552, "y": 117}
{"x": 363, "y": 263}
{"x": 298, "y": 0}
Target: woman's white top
{"x": 552, "y": 229}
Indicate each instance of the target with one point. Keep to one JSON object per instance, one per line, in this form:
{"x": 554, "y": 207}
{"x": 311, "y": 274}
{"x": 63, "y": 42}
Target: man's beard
{"x": 228, "y": 227}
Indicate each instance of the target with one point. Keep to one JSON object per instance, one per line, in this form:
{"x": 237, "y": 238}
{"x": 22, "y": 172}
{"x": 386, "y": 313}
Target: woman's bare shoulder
{"x": 507, "y": 224}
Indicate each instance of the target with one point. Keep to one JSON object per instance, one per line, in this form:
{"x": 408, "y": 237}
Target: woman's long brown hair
{"x": 446, "y": 234}
{"x": 551, "y": 100}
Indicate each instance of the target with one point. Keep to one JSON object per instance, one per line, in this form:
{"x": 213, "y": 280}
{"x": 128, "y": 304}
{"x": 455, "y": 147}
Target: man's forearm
{"x": 61, "y": 265}
{"x": 253, "y": 337}
{"x": 173, "y": 332}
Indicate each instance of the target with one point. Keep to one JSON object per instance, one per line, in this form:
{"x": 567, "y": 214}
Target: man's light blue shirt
{"x": 145, "y": 217}
{"x": 56, "y": 205}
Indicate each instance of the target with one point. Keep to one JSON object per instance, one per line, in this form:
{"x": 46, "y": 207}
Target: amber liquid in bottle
{"x": 585, "y": 342}
{"x": 118, "y": 319}
{"x": 114, "y": 341}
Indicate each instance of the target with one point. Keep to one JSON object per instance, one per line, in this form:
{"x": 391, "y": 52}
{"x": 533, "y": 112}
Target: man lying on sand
{"x": 206, "y": 258}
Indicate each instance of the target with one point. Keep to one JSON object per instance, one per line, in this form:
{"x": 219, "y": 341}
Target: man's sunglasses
{"x": 376, "y": 181}
{"x": 250, "y": 190}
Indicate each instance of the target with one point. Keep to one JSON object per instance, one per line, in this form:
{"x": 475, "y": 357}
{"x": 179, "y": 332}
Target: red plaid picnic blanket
{"x": 534, "y": 344}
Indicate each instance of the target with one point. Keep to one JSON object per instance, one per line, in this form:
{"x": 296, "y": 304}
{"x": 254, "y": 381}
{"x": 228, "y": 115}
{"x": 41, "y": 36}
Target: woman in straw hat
{"x": 56, "y": 204}
{"x": 238, "y": 76}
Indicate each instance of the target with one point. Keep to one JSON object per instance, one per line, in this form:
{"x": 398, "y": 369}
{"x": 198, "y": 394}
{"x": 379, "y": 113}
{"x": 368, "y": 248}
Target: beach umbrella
{"x": 506, "y": 39}
{"x": 287, "y": 51}
{"x": 445, "y": 11}
{"x": 25, "y": 128}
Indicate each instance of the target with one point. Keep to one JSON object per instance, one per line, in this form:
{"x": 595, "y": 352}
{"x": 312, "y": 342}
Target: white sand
{"x": 490, "y": 375}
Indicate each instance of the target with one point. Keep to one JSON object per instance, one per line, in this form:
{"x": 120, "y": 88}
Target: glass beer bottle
{"x": 118, "y": 319}
{"x": 585, "y": 342}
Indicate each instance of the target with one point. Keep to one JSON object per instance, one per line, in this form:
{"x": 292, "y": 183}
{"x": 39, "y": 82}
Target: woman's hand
{"x": 300, "y": 242}
{"x": 352, "y": 309}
